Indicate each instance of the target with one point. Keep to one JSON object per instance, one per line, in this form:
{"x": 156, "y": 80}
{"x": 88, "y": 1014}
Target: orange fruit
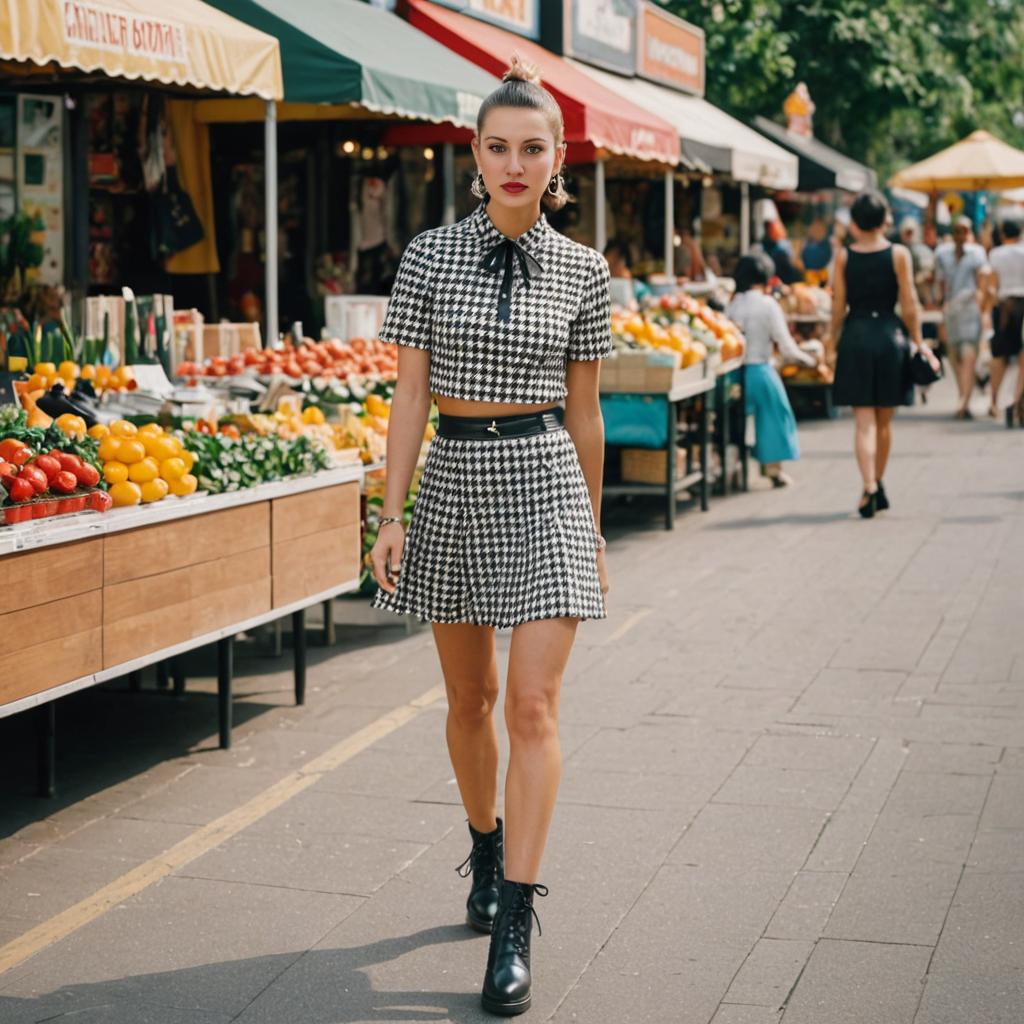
{"x": 164, "y": 447}
{"x": 125, "y": 493}
{"x": 103, "y": 376}
{"x": 151, "y": 428}
{"x": 184, "y": 485}
{"x": 88, "y": 372}
{"x": 68, "y": 369}
{"x": 100, "y": 431}
{"x": 173, "y": 468}
{"x": 115, "y": 472}
{"x": 189, "y": 458}
{"x": 145, "y": 471}
{"x": 122, "y": 428}
{"x": 154, "y": 490}
{"x": 130, "y": 451}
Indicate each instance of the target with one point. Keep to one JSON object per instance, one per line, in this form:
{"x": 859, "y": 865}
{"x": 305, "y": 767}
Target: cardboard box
{"x": 648, "y": 465}
{"x": 229, "y": 340}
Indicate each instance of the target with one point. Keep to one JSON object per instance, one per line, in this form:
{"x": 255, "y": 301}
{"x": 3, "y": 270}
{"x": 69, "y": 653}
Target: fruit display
{"x": 47, "y": 472}
{"x": 680, "y": 324}
{"x": 806, "y": 300}
{"x": 324, "y": 360}
{"x": 797, "y": 374}
{"x": 143, "y": 465}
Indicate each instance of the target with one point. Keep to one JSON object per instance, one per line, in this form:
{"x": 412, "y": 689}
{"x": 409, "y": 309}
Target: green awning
{"x": 345, "y": 51}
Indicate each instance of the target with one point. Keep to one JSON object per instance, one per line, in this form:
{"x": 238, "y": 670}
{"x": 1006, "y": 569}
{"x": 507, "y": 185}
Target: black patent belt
{"x": 480, "y": 428}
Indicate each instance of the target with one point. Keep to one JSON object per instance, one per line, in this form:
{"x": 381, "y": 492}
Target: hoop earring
{"x": 478, "y": 188}
{"x": 555, "y": 185}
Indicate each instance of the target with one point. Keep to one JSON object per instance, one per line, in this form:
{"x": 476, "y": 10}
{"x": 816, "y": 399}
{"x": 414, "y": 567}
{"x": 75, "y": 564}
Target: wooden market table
{"x": 694, "y": 475}
{"x": 94, "y": 597}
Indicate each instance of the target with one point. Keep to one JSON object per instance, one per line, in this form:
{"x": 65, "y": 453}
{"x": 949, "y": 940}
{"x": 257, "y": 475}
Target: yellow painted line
{"x": 636, "y": 617}
{"x": 209, "y": 836}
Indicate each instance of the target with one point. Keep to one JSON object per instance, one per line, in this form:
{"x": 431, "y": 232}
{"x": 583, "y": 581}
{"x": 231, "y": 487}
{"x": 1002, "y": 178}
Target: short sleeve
{"x": 407, "y": 320}
{"x": 590, "y": 334}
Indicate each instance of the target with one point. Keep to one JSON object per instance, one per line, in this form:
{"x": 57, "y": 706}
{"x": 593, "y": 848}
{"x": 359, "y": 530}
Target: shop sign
{"x": 602, "y": 32}
{"x": 519, "y": 16}
{"x": 670, "y": 50}
{"x": 109, "y": 28}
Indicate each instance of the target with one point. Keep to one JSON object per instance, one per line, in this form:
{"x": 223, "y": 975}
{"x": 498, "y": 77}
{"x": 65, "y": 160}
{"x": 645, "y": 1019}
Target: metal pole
{"x": 670, "y": 223}
{"x": 744, "y": 218}
{"x": 270, "y": 219}
{"x": 448, "y": 171}
{"x": 600, "y": 227}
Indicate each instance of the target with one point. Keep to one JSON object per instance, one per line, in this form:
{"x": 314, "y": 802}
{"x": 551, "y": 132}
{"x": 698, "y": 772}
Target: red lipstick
{"x": 514, "y": 187}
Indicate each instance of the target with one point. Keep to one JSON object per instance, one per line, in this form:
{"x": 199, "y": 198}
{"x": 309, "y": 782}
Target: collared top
{"x": 500, "y": 325}
{"x": 1008, "y": 263}
{"x": 959, "y": 275}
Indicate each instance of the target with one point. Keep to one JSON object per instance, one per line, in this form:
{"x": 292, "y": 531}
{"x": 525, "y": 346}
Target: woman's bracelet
{"x": 384, "y": 520}
{"x": 601, "y": 542}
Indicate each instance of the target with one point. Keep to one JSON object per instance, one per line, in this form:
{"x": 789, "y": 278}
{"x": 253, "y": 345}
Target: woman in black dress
{"x": 872, "y": 372}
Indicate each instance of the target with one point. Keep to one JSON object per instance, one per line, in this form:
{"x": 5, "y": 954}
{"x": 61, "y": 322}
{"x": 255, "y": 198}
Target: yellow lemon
{"x": 110, "y": 449}
{"x": 130, "y": 451}
{"x": 100, "y": 431}
{"x": 184, "y": 485}
{"x": 154, "y": 490}
{"x": 125, "y": 493}
{"x": 144, "y": 471}
{"x": 173, "y": 468}
{"x": 189, "y": 458}
{"x": 153, "y": 429}
{"x": 164, "y": 447}
{"x": 115, "y": 472}
{"x": 122, "y": 428}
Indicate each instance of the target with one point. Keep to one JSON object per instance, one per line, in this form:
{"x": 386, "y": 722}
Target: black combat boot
{"x": 487, "y": 863}
{"x": 507, "y": 981}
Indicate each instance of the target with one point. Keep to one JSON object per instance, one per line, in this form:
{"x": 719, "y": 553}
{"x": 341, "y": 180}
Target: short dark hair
{"x": 1011, "y": 229}
{"x": 869, "y": 211}
{"x": 622, "y": 247}
{"x": 753, "y": 269}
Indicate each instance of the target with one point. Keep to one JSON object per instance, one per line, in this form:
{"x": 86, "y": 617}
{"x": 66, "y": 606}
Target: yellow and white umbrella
{"x": 981, "y": 161}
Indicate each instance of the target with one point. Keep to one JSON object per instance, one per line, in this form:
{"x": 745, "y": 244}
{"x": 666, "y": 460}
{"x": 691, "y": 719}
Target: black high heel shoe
{"x": 883, "y": 499}
{"x": 869, "y": 505}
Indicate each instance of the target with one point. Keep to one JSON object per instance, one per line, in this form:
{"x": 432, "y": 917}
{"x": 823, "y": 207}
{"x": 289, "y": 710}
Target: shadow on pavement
{"x": 791, "y": 519}
{"x": 322, "y": 986}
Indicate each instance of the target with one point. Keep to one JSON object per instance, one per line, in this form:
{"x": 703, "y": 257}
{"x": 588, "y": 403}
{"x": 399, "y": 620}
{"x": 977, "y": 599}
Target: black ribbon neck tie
{"x": 503, "y": 257}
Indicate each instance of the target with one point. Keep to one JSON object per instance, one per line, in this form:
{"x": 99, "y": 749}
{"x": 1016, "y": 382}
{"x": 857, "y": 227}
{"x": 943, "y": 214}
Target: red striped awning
{"x": 595, "y": 117}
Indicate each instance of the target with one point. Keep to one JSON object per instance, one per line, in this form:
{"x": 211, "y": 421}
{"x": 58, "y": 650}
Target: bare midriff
{"x": 462, "y": 407}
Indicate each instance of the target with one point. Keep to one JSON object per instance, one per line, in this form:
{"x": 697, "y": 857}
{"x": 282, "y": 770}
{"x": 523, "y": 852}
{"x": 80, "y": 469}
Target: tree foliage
{"x": 893, "y": 80}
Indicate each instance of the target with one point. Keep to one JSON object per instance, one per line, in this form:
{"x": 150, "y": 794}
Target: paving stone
{"x": 998, "y": 851}
{"x": 899, "y": 845}
{"x": 1012, "y": 760}
{"x": 858, "y": 983}
{"x": 769, "y": 972}
{"x": 732, "y": 1014}
{"x": 870, "y": 790}
{"x": 955, "y": 997}
{"x": 809, "y": 753}
{"x": 919, "y": 794}
{"x": 784, "y": 787}
{"x": 1005, "y": 805}
{"x": 953, "y": 758}
{"x": 807, "y": 906}
{"x": 248, "y": 935}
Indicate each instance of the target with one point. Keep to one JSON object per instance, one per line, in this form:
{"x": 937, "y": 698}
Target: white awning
{"x": 708, "y": 134}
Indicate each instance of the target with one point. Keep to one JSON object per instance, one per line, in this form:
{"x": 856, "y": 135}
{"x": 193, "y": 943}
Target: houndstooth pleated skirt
{"x": 502, "y": 533}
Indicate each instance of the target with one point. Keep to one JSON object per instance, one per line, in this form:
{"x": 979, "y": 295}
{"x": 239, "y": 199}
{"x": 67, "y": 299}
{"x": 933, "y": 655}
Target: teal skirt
{"x": 774, "y": 422}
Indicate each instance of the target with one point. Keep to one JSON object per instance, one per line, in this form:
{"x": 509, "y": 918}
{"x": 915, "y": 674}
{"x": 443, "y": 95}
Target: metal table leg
{"x": 299, "y": 644}
{"x": 135, "y": 681}
{"x": 46, "y": 749}
{"x": 163, "y": 675}
{"x": 704, "y": 453}
{"x": 744, "y": 453}
{"x": 178, "y": 674}
{"x": 225, "y": 673}
{"x": 329, "y": 636}
{"x": 670, "y": 466}
{"x": 722, "y": 390}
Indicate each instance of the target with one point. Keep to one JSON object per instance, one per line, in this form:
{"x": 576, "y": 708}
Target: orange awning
{"x": 188, "y": 44}
{"x": 595, "y": 117}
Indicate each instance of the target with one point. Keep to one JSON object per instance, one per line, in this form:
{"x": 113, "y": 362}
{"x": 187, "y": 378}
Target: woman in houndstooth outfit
{"x": 504, "y": 320}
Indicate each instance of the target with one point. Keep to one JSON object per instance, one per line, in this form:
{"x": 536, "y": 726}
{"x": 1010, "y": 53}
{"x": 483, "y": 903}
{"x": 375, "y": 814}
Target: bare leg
{"x": 998, "y": 372}
{"x": 865, "y": 445}
{"x": 470, "y": 669}
{"x": 537, "y": 660}
{"x": 966, "y": 361}
{"x": 883, "y": 443}
{"x": 1019, "y": 393}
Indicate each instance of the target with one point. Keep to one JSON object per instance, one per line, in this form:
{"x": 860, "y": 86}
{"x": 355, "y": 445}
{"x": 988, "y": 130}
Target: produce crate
{"x": 354, "y": 316}
{"x": 647, "y": 466}
{"x": 647, "y": 373}
{"x": 228, "y": 340}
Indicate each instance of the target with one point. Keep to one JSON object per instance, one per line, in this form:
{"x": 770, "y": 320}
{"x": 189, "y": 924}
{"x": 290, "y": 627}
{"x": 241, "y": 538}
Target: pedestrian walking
{"x": 502, "y": 319}
{"x": 873, "y": 360}
{"x": 961, "y": 271}
{"x": 1007, "y": 289}
{"x": 763, "y": 324}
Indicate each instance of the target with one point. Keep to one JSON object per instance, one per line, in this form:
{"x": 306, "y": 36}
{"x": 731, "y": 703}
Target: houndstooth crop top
{"x": 500, "y": 318}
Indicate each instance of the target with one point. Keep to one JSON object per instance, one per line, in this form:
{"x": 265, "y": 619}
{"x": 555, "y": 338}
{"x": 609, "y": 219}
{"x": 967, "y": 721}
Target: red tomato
{"x": 12, "y": 450}
{"x": 69, "y": 462}
{"x": 8, "y": 469}
{"x": 36, "y": 477}
{"x": 64, "y": 482}
{"x": 99, "y": 501}
{"x": 19, "y": 489}
{"x": 87, "y": 475}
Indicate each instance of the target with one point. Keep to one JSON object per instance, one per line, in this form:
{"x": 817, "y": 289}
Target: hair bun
{"x": 521, "y": 71}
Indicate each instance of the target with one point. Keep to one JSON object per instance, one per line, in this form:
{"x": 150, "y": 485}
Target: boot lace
{"x": 482, "y": 856}
{"x": 516, "y": 921}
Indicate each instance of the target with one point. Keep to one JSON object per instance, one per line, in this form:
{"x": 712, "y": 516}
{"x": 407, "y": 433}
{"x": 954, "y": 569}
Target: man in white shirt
{"x": 962, "y": 273}
{"x": 1007, "y": 286}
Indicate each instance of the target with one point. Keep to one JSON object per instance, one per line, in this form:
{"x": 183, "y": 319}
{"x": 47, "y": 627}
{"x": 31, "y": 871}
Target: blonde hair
{"x": 521, "y": 87}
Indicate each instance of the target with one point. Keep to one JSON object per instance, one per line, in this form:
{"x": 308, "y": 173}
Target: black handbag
{"x": 922, "y": 373}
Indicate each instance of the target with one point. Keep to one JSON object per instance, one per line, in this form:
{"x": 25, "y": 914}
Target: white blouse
{"x": 762, "y": 322}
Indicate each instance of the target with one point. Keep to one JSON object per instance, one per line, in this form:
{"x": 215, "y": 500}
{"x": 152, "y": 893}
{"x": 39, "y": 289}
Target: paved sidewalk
{"x": 793, "y": 791}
